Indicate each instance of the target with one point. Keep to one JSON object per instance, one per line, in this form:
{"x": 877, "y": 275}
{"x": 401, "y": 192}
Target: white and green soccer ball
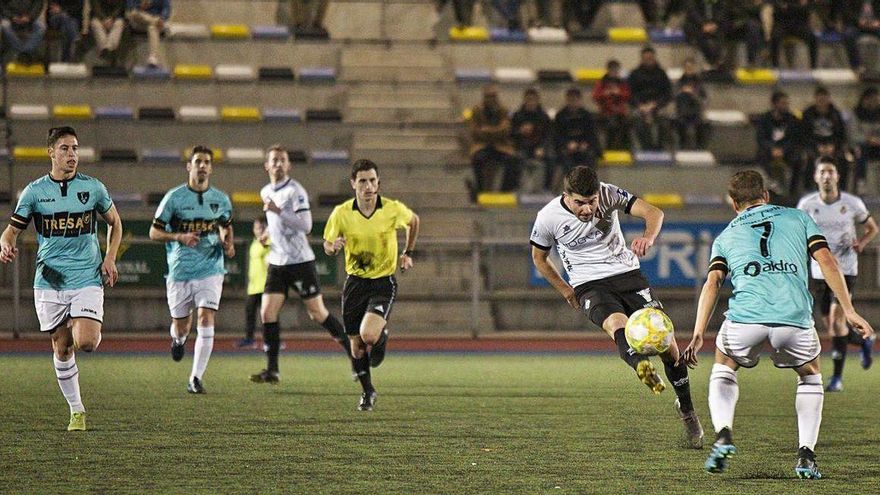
{"x": 649, "y": 331}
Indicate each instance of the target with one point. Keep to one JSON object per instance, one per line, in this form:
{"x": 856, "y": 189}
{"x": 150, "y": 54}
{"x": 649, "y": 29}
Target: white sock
{"x": 176, "y": 338}
{"x": 723, "y": 394}
{"x": 68, "y": 379}
{"x": 808, "y": 403}
{"x": 204, "y": 345}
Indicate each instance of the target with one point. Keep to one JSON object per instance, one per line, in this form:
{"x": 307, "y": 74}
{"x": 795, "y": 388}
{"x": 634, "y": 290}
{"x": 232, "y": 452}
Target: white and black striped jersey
{"x": 837, "y": 221}
{"x": 288, "y": 230}
{"x": 589, "y": 250}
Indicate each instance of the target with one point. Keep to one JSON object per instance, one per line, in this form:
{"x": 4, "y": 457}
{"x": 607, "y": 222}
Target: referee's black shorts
{"x": 823, "y": 294}
{"x": 363, "y": 295}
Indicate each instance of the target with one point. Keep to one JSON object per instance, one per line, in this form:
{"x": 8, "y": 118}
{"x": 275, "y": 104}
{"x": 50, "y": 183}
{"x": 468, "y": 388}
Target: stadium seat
{"x": 28, "y": 112}
{"x": 153, "y": 73}
{"x": 128, "y": 198}
{"x": 109, "y": 72}
{"x": 667, "y": 35}
{"x": 795, "y": 76}
{"x": 674, "y": 73}
{"x": 246, "y": 198}
{"x": 190, "y": 113}
{"x": 87, "y": 155}
{"x": 692, "y": 199}
{"x": 229, "y": 72}
{"x": 161, "y": 155}
{"x": 617, "y": 157}
{"x": 627, "y": 35}
{"x": 473, "y": 75}
{"x": 329, "y": 157}
{"x": 497, "y": 199}
{"x": 830, "y": 37}
{"x": 117, "y": 113}
{"x": 755, "y": 76}
{"x": 178, "y": 30}
{"x": 323, "y": 115}
{"x": 245, "y": 156}
{"x": 230, "y": 31}
{"x": 468, "y": 33}
{"x": 156, "y": 113}
{"x": 118, "y": 155}
{"x": 276, "y": 74}
{"x": 547, "y": 35}
{"x": 68, "y": 71}
{"x": 694, "y": 159}
{"x": 519, "y": 75}
{"x": 317, "y": 74}
{"x": 193, "y": 71}
{"x": 285, "y": 115}
{"x": 240, "y": 114}
{"x": 72, "y": 112}
{"x": 589, "y": 74}
{"x": 30, "y": 153}
{"x": 536, "y": 200}
{"x": 270, "y": 32}
{"x": 503, "y": 35}
{"x": 727, "y": 117}
{"x": 835, "y": 76}
{"x": 554, "y": 76}
{"x": 654, "y": 158}
{"x": 589, "y": 35}
{"x": 14, "y": 69}
{"x": 297, "y": 156}
{"x": 664, "y": 200}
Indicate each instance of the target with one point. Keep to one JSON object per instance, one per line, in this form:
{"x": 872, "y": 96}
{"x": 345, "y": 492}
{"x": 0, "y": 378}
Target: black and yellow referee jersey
{"x": 370, "y": 243}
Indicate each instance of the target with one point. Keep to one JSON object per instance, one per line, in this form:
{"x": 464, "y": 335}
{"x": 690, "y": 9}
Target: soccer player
{"x": 765, "y": 250}
{"x": 291, "y": 260}
{"x": 837, "y": 213}
{"x": 194, "y": 220}
{"x": 366, "y": 228}
{"x": 606, "y": 282}
{"x": 68, "y": 288}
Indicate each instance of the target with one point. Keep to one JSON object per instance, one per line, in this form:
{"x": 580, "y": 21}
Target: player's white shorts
{"x": 55, "y": 306}
{"x": 183, "y": 297}
{"x": 792, "y": 346}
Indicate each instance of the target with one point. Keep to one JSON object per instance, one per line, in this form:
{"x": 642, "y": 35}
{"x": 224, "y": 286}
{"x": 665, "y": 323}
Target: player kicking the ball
{"x": 606, "y": 282}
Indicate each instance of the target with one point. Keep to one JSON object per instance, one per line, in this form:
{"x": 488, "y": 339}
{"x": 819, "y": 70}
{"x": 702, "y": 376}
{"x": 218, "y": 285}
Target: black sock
{"x": 855, "y": 338}
{"x": 626, "y": 353}
{"x": 678, "y": 377}
{"x": 838, "y": 354}
{"x": 272, "y": 339}
{"x": 334, "y": 327}
{"x": 362, "y": 368}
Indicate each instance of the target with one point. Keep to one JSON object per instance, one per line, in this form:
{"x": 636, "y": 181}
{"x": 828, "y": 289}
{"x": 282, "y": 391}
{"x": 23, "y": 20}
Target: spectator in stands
{"x": 791, "y": 18}
{"x": 706, "y": 24}
{"x": 107, "y": 27}
{"x": 66, "y": 17}
{"x": 308, "y": 16}
{"x": 611, "y": 95}
{"x": 584, "y": 12}
{"x": 462, "y": 9}
{"x": 824, "y": 122}
{"x": 576, "y": 139}
{"x": 651, "y": 92}
{"x": 149, "y": 16}
{"x": 745, "y": 25}
{"x": 779, "y": 136}
{"x": 541, "y": 14}
{"x": 509, "y": 11}
{"x": 856, "y": 18}
{"x": 23, "y": 28}
{"x": 531, "y": 129}
{"x": 492, "y": 147}
{"x": 866, "y": 133}
{"x": 690, "y": 97}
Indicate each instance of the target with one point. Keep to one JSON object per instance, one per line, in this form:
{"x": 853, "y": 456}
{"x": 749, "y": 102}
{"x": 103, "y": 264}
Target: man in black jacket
{"x": 651, "y": 92}
{"x": 778, "y": 133}
{"x": 792, "y": 18}
{"x": 575, "y": 136}
{"x": 530, "y": 129}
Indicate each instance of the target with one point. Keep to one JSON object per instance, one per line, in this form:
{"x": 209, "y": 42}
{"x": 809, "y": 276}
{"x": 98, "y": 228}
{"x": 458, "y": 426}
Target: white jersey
{"x": 837, "y": 221}
{"x": 288, "y": 230}
{"x": 589, "y": 250}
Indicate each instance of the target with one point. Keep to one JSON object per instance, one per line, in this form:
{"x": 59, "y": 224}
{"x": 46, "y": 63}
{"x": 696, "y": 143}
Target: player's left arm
{"x": 653, "y": 218}
{"x": 868, "y": 235}
{"x": 114, "y": 239}
{"x": 412, "y": 233}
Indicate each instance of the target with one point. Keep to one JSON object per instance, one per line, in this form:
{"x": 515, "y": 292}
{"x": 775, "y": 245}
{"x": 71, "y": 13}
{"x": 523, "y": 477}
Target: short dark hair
{"x": 573, "y": 91}
{"x": 278, "y": 148}
{"x": 612, "y": 64}
{"x": 363, "y": 165}
{"x": 581, "y": 180}
{"x": 778, "y": 95}
{"x": 531, "y": 92}
{"x": 825, "y": 160}
{"x": 201, "y": 149}
{"x": 746, "y": 186}
{"x": 821, "y": 90}
{"x": 648, "y": 49}
{"x": 57, "y": 133}
{"x": 261, "y": 220}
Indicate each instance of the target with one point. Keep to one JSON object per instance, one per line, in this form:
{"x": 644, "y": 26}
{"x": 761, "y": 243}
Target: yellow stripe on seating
{"x": 246, "y": 199}
{"x": 72, "y": 112}
{"x": 496, "y": 199}
{"x": 467, "y": 114}
{"x": 218, "y": 154}
{"x": 755, "y": 76}
{"x": 230, "y": 31}
{"x": 240, "y": 114}
{"x": 665, "y": 200}
{"x": 14, "y": 69}
{"x": 468, "y": 33}
{"x": 617, "y": 157}
{"x": 186, "y": 71}
{"x": 588, "y": 75}
{"x": 627, "y": 35}
{"x": 30, "y": 153}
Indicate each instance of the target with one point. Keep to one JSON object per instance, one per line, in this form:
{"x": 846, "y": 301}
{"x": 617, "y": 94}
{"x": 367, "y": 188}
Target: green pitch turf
{"x": 471, "y": 424}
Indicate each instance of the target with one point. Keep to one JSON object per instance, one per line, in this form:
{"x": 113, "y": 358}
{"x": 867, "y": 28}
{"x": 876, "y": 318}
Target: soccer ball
{"x": 649, "y": 331}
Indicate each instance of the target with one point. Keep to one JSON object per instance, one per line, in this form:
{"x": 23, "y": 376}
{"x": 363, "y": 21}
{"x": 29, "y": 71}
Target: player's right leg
{"x": 839, "y": 340}
{"x": 273, "y": 301}
{"x": 354, "y": 308}
{"x": 180, "y": 305}
{"x": 614, "y": 325}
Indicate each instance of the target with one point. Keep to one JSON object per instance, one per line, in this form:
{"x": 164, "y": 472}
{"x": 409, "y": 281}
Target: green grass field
{"x": 443, "y": 424}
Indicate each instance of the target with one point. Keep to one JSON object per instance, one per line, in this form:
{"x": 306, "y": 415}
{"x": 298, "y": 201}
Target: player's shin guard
{"x": 334, "y": 327}
{"x": 723, "y": 394}
{"x": 272, "y": 339}
{"x": 808, "y": 402}
{"x": 628, "y": 355}
{"x": 203, "y": 348}
{"x": 678, "y": 376}
{"x": 362, "y": 368}
{"x": 838, "y": 354}
{"x": 68, "y": 379}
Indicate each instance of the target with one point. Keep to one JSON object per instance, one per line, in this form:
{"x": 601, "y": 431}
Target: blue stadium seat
{"x": 661, "y": 158}
{"x": 666, "y": 35}
{"x": 286, "y": 115}
{"x": 317, "y": 74}
{"x": 502, "y": 35}
{"x": 268, "y": 32}
{"x": 146, "y": 72}
{"x": 473, "y": 75}
{"x": 117, "y": 113}
{"x": 795, "y": 76}
{"x": 161, "y": 155}
{"x": 329, "y": 157}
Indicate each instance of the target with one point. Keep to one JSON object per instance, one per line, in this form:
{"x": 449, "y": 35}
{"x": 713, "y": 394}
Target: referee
{"x": 366, "y": 227}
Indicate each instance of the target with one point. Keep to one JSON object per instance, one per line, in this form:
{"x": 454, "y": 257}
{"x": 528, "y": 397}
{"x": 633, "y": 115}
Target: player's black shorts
{"x": 302, "y": 276}
{"x": 824, "y": 296}
{"x": 625, "y": 293}
{"x": 362, "y": 295}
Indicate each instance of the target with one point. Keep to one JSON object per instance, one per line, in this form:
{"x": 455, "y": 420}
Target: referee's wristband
{"x": 408, "y": 252}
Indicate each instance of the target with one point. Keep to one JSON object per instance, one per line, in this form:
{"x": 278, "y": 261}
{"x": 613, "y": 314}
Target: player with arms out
{"x": 68, "y": 291}
{"x": 837, "y": 213}
{"x": 194, "y": 220}
{"x": 606, "y": 282}
{"x": 366, "y": 227}
{"x": 765, "y": 251}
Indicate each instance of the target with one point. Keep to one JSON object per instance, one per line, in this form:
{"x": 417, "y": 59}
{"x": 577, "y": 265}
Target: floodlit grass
{"x": 443, "y": 424}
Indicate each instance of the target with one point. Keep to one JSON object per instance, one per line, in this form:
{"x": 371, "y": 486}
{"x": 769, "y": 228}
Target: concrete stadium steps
{"x": 226, "y": 11}
{"x": 395, "y": 105}
{"x": 395, "y": 20}
{"x": 400, "y": 63}
{"x": 258, "y": 52}
{"x": 439, "y": 273}
{"x": 411, "y": 147}
{"x": 434, "y": 316}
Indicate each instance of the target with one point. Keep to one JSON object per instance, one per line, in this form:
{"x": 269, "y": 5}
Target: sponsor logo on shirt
{"x": 781, "y": 267}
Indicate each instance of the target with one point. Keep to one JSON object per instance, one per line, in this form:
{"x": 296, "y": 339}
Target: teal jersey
{"x": 184, "y": 210}
{"x": 65, "y": 215}
{"x": 766, "y": 250}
